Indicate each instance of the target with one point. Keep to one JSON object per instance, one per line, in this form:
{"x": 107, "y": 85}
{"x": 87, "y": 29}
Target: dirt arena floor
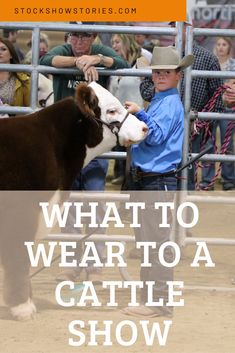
{"x": 205, "y": 324}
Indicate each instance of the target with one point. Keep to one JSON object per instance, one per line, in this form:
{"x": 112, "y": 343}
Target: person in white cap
{"x": 153, "y": 165}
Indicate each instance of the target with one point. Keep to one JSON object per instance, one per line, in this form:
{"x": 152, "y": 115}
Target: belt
{"x": 138, "y": 172}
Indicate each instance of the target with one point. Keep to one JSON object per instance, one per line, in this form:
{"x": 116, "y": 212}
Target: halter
{"x": 43, "y": 102}
{"x": 114, "y": 126}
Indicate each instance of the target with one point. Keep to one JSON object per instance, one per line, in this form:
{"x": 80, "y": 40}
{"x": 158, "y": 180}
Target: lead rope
{"x": 205, "y": 125}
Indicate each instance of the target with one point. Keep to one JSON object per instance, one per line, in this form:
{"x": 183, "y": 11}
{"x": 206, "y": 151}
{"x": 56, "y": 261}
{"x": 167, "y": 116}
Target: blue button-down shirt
{"x": 161, "y": 151}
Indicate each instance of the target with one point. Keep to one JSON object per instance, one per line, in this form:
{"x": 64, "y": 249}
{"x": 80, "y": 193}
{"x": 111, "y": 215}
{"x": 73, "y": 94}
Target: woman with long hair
{"x": 223, "y": 50}
{"x": 126, "y": 87}
{"x": 14, "y": 86}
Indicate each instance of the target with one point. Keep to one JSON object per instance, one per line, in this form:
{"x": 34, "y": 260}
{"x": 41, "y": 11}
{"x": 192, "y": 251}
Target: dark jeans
{"x": 228, "y": 171}
{"x": 119, "y": 164}
{"x": 208, "y": 171}
{"x": 150, "y": 231}
{"x": 191, "y": 172}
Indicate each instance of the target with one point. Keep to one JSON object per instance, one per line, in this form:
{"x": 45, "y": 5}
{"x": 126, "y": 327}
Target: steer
{"x": 45, "y": 151}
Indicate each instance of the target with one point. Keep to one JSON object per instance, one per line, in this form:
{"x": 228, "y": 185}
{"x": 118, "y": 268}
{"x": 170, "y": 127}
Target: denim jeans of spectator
{"x": 91, "y": 178}
{"x": 151, "y": 232}
{"x": 191, "y": 171}
{"x": 119, "y": 164}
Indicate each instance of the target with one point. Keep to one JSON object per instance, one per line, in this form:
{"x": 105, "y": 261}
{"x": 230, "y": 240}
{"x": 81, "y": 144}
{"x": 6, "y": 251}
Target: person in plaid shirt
{"x": 202, "y": 90}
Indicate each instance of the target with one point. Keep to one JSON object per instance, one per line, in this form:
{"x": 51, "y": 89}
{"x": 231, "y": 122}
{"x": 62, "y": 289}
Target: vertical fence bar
{"x": 187, "y": 105}
{"x": 179, "y": 37}
{"x": 179, "y": 46}
{"x": 181, "y": 232}
{"x": 34, "y": 74}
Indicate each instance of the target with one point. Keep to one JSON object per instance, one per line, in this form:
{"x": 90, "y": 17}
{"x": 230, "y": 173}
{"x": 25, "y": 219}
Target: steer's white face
{"x": 45, "y": 88}
{"x": 133, "y": 130}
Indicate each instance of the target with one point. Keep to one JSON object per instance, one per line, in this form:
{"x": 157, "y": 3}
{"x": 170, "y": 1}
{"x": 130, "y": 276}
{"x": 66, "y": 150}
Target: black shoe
{"x": 228, "y": 185}
{"x": 204, "y": 186}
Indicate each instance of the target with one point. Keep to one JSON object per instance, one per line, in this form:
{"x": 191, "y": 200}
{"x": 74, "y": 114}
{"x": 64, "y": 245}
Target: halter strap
{"x": 114, "y": 126}
{"x": 43, "y": 102}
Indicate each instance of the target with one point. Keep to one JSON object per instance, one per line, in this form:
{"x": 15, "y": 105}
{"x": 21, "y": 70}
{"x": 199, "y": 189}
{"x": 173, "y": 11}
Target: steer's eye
{"x": 111, "y": 111}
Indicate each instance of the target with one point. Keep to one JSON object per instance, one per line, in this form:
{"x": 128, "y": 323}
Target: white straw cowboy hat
{"x": 167, "y": 58}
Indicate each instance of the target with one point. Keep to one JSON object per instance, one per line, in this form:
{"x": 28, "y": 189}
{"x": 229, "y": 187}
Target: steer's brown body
{"x": 45, "y": 151}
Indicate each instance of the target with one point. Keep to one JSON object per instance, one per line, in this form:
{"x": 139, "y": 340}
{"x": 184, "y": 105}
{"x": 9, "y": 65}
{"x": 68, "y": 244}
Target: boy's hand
{"x": 132, "y": 107}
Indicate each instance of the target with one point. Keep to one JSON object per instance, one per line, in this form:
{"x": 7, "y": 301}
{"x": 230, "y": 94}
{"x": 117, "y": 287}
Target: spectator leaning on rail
{"x": 14, "y": 86}
{"x": 81, "y": 52}
{"x": 202, "y": 88}
{"x": 153, "y": 163}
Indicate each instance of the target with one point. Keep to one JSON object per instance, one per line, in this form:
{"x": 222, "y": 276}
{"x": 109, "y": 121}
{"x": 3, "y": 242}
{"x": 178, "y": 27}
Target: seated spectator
{"x": 14, "y": 86}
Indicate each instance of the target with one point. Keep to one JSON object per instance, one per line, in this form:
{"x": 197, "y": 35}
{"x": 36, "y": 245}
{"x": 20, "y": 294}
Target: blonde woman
{"x": 223, "y": 51}
{"x": 126, "y": 87}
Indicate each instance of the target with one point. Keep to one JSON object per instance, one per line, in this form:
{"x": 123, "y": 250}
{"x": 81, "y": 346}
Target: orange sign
{"x": 93, "y": 10}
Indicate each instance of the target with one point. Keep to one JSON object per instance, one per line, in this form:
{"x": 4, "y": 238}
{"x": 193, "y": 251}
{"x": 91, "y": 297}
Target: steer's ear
{"x": 87, "y": 101}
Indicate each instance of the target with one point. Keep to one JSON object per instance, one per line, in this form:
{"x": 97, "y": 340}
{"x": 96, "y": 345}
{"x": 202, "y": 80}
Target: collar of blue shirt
{"x": 163, "y": 94}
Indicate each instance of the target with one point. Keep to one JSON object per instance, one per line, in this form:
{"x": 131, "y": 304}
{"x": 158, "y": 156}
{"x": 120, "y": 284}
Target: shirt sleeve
{"x": 118, "y": 61}
{"x": 159, "y": 122}
{"x": 61, "y": 50}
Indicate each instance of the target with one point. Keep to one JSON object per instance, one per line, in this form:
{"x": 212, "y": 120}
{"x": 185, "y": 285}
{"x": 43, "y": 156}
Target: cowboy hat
{"x": 80, "y": 23}
{"x": 167, "y": 58}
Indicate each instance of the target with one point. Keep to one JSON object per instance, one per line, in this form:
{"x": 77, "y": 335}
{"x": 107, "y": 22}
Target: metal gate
{"x": 35, "y": 68}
